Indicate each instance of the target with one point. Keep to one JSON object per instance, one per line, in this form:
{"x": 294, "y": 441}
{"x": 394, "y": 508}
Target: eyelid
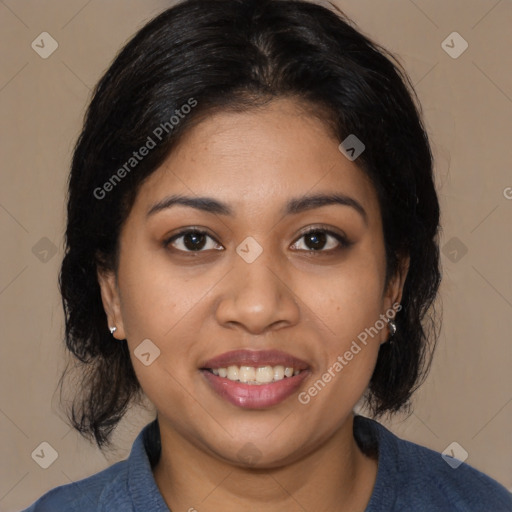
{"x": 185, "y": 231}
{"x": 322, "y": 227}
{"x": 341, "y": 237}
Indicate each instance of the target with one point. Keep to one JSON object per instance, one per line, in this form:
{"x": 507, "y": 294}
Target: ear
{"x": 394, "y": 290}
{"x": 111, "y": 301}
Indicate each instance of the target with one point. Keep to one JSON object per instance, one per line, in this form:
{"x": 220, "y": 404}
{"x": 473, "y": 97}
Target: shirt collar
{"x": 376, "y": 441}
{"x": 142, "y": 486}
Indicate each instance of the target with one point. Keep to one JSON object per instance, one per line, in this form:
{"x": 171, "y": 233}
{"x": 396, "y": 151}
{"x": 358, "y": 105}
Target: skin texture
{"x": 197, "y": 305}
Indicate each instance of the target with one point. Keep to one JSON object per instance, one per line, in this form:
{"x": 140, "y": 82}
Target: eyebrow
{"x": 293, "y": 206}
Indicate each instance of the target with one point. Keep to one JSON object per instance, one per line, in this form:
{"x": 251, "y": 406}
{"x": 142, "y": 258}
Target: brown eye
{"x": 321, "y": 240}
{"x": 191, "y": 240}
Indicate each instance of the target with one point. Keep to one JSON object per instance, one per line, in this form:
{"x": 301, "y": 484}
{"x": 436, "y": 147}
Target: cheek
{"x": 349, "y": 301}
{"x": 166, "y": 305}
{"x": 156, "y": 296}
{"x": 160, "y": 304}
{"x": 349, "y": 347}
{"x": 347, "y": 310}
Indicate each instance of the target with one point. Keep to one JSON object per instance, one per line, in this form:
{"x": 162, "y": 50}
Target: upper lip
{"x": 255, "y": 358}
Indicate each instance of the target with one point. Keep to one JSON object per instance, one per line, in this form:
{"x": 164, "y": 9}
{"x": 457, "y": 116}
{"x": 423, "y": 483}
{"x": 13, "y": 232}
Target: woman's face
{"x": 254, "y": 283}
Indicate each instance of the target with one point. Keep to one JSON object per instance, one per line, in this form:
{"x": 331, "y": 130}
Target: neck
{"x": 336, "y": 476}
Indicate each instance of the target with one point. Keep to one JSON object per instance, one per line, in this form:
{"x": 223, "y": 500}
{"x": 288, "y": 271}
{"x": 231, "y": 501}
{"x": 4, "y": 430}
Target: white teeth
{"x": 265, "y": 374}
{"x": 246, "y": 374}
{"x": 255, "y": 375}
{"x": 278, "y": 372}
{"x": 233, "y": 373}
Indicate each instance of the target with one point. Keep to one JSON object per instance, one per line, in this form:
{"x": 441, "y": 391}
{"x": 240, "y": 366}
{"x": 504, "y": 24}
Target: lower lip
{"x": 254, "y": 396}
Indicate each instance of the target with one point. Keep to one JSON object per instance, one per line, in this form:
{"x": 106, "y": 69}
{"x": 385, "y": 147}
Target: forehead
{"x": 258, "y": 159}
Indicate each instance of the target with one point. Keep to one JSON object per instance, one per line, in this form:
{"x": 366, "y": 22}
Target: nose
{"x": 259, "y": 297}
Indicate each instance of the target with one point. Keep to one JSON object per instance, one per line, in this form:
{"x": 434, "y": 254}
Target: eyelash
{"x": 342, "y": 240}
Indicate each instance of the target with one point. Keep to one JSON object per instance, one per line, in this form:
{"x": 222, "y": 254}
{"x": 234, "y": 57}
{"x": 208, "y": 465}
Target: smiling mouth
{"x": 255, "y": 375}
{"x": 255, "y": 379}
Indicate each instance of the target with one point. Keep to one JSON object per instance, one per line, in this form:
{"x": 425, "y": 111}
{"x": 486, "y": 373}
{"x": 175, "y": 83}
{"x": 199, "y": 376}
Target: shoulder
{"x": 457, "y": 487}
{"x": 84, "y": 495}
{"x": 425, "y": 481}
{"x": 124, "y": 486}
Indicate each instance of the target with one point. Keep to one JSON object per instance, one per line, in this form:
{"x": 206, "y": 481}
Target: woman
{"x": 252, "y": 243}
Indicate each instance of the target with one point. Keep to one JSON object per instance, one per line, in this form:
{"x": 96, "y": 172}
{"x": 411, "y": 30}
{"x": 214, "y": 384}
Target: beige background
{"x": 468, "y": 108}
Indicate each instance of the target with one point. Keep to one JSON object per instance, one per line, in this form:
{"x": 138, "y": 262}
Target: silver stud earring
{"x": 113, "y": 330}
{"x": 392, "y": 328}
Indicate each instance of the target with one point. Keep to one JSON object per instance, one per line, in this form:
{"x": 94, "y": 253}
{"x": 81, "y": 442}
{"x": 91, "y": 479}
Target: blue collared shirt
{"x": 410, "y": 478}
